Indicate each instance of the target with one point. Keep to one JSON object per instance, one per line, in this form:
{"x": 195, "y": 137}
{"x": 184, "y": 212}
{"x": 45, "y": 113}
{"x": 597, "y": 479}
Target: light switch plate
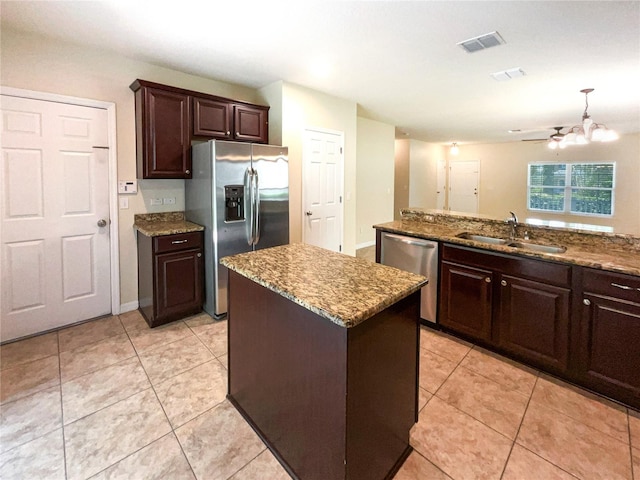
{"x": 156, "y": 201}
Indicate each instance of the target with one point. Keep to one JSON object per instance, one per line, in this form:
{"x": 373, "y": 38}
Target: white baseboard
{"x": 365, "y": 244}
{"x": 128, "y": 307}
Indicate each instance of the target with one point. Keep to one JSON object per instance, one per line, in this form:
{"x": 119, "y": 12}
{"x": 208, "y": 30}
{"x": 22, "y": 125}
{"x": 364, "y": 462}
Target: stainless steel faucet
{"x": 513, "y": 221}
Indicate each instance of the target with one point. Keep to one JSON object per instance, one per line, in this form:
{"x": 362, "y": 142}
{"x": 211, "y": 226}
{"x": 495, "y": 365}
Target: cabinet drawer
{"x": 616, "y": 285}
{"x": 540, "y": 270}
{"x": 179, "y": 241}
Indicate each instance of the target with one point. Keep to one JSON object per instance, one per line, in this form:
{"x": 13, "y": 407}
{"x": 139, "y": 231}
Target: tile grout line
{"x": 630, "y": 444}
{"x": 64, "y": 442}
{"x": 173, "y": 431}
{"x": 515, "y": 437}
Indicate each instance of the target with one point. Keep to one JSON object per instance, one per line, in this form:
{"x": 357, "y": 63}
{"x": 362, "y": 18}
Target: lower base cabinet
{"x": 517, "y": 305}
{"x": 170, "y": 276}
{"x": 466, "y": 299}
{"x": 532, "y": 321}
{"x": 609, "y": 339}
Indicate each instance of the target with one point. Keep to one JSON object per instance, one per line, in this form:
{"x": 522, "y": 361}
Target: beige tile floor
{"x": 114, "y": 399}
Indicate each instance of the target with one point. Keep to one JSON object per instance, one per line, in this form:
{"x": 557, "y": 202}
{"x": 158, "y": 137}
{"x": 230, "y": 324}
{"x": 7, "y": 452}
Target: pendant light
{"x": 586, "y": 132}
{"x": 454, "y": 149}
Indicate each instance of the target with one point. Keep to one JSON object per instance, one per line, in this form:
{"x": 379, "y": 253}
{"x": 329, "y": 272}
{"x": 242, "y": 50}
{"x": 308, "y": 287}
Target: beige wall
{"x": 34, "y": 63}
{"x": 503, "y": 178}
{"x": 423, "y": 166}
{"x": 374, "y": 178}
{"x": 303, "y": 108}
{"x": 401, "y": 177}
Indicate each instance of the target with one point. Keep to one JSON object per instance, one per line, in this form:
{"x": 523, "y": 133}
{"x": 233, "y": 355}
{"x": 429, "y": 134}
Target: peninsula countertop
{"x": 168, "y": 223}
{"x": 343, "y": 289}
{"x": 618, "y": 253}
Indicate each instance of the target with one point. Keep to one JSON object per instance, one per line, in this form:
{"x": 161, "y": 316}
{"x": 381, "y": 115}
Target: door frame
{"x": 110, "y": 107}
{"x": 341, "y": 175}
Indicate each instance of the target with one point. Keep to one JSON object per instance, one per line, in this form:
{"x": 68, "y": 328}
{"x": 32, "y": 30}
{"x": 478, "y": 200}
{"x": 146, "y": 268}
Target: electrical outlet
{"x": 156, "y": 201}
{"x": 169, "y": 201}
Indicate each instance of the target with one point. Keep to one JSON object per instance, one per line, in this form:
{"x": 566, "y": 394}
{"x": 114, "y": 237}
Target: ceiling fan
{"x": 556, "y": 136}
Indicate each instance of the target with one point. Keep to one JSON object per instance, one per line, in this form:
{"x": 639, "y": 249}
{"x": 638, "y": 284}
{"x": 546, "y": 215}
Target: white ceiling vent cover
{"x": 482, "y": 42}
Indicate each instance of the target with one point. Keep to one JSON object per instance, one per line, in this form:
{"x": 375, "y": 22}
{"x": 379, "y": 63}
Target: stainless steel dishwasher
{"x": 414, "y": 255}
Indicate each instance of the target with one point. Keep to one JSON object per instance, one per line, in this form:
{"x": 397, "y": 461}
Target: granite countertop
{"x": 168, "y": 223}
{"x": 338, "y": 287}
{"x": 618, "y": 253}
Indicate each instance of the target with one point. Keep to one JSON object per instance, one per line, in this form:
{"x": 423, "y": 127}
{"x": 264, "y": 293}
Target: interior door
{"x": 55, "y": 251}
{"x": 322, "y": 189}
{"x": 463, "y": 186}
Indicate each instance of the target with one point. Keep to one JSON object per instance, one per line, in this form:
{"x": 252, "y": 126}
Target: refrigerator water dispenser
{"x": 233, "y": 203}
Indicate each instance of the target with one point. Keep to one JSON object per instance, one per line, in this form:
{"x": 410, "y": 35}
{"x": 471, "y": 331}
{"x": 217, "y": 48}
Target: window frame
{"x": 568, "y": 189}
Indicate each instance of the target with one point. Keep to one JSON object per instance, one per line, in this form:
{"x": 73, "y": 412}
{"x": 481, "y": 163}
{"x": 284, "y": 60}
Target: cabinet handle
{"x": 586, "y": 301}
{"x": 228, "y": 133}
{"x": 487, "y": 279}
{"x": 503, "y": 283}
{"x": 177, "y": 242}
{"x": 187, "y": 172}
{"x": 623, "y": 287}
{"x": 237, "y": 134}
{"x": 199, "y": 255}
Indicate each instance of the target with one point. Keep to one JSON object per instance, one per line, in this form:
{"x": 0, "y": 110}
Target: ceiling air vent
{"x": 482, "y": 42}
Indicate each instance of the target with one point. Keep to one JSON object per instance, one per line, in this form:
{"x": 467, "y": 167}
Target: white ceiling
{"x": 398, "y": 60}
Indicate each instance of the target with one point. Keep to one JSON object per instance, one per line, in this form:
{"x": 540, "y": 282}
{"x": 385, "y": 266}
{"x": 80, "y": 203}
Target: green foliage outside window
{"x": 580, "y": 188}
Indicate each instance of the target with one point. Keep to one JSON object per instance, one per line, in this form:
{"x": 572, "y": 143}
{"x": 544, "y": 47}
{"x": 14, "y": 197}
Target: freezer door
{"x": 231, "y": 162}
{"x": 271, "y": 165}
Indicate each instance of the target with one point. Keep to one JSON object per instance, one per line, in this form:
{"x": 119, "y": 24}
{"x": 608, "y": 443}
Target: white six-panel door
{"x": 463, "y": 186}
{"x": 55, "y": 256}
{"x": 322, "y": 189}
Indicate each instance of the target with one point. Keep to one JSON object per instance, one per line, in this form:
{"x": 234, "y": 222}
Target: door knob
{"x": 309, "y": 214}
{"x": 102, "y": 223}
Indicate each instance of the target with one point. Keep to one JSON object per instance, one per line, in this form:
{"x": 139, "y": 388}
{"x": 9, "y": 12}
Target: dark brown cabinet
{"x": 609, "y": 338}
{"x": 170, "y": 276}
{"x": 230, "y": 121}
{"x": 532, "y": 321}
{"x": 163, "y": 133}
{"x": 211, "y": 118}
{"x": 518, "y": 305}
{"x": 466, "y": 299}
{"x": 169, "y": 118}
{"x": 250, "y": 123}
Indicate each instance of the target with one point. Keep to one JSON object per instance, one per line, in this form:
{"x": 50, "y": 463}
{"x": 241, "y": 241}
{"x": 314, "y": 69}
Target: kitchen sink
{"x": 482, "y": 238}
{"x": 536, "y": 247}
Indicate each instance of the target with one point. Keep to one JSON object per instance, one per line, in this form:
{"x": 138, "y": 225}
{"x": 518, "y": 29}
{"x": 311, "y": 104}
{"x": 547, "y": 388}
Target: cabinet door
{"x": 211, "y": 118}
{"x": 250, "y": 123}
{"x": 167, "y": 135}
{"x": 465, "y": 300}
{"x": 178, "y": 283}
{"x": 533, "y": 321}
{"x": 610, "y": 346}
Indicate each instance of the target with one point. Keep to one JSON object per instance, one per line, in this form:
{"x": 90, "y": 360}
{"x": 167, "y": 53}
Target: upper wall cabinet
{"x": 230, "y": 121}
{"x": 169, "y": 118}
{"x": 163, "y": 132}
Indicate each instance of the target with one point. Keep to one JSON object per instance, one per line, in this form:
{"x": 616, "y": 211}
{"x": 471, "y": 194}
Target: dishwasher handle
{"x": 410, "y": 241}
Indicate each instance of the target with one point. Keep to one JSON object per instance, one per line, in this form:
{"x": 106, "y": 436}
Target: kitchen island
{"x": 323, "y": 359}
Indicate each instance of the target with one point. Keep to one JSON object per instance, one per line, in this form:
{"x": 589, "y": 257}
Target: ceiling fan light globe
{"x": 552, "y": 144}
{"x": 598, "y": 133}
{"x": 570, "y": 138}
{"x": 610, "y": 136}
{"x": 562, "y": 145}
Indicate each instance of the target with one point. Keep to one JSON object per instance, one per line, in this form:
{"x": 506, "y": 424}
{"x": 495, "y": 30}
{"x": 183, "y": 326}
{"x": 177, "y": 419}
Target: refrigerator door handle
{"x": 256, "y": 208}
{"x": 248, "y": 204}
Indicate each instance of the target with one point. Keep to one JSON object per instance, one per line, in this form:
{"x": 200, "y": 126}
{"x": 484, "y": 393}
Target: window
{"x": 577, "y": 188}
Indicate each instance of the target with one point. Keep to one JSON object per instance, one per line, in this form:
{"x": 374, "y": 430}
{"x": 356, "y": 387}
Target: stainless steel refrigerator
{"x": 240, "y": 193}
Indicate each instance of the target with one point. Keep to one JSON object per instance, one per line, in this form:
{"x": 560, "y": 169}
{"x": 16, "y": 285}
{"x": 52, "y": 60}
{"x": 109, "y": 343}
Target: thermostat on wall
{"x": 127, "y": 186}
